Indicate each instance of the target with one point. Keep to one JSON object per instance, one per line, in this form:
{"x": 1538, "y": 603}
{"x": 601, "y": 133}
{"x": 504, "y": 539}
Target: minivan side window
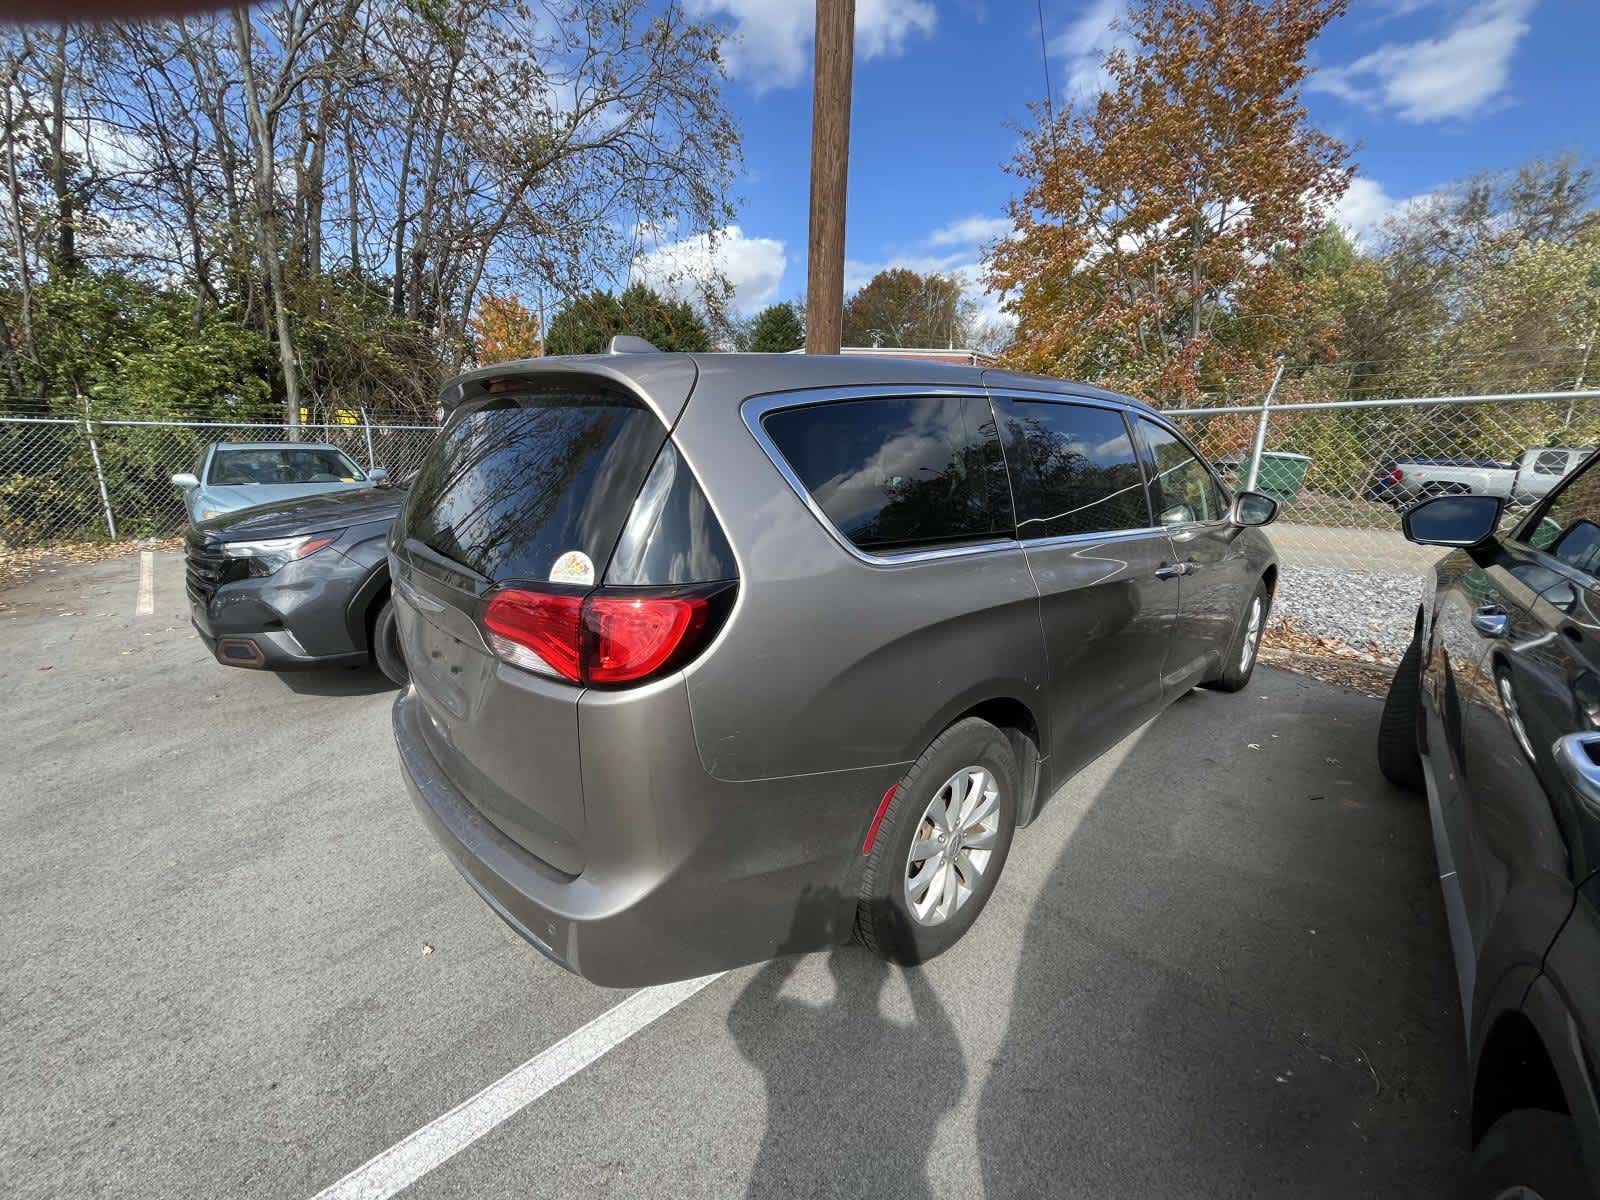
{"x": 1073, "y": 468}
{"x": 1569, "y": 527}
{"x": 1181, "y": 490}
{"x": 899, "y": 472}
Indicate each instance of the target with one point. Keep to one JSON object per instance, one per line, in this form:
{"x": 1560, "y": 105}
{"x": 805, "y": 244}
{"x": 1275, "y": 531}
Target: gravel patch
{"x": 1355, "y": 607}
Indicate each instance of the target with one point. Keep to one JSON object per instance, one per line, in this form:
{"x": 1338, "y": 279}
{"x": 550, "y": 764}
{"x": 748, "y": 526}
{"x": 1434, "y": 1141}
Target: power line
{"x": 1044, "y": 59}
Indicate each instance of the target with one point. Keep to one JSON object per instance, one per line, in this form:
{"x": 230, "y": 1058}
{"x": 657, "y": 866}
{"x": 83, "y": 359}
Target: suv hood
{"x": 320, "y": 513}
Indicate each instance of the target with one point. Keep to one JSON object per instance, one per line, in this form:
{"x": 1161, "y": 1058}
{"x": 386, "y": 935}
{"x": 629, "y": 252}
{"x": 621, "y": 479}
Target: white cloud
{"x": 970, "y": 231}
{"x": 681, "y": 269}
{"x": 1453, "y": 75}
{"x": 1366, "y": 205}
{"x": 1363, "y": 206}
{"x": 1083, "y": 46}
{"x": 769, "y": 45}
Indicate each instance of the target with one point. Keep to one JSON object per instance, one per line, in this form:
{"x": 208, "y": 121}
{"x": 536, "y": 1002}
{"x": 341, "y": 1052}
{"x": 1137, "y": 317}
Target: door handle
{"x": 1574, "y": 758}
{"x": 1171, "y": 570}
{"x": 1490, "y": 621}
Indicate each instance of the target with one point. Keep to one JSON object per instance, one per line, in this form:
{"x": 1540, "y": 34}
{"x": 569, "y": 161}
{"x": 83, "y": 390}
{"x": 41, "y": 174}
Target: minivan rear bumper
{"x": 772, "y": 867}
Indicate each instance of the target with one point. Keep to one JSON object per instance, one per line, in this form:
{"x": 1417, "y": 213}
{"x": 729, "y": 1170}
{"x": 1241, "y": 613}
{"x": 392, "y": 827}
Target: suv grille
{"x": 204, "y": 564}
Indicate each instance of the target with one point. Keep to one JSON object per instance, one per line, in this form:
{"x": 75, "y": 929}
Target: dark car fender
{"x": 1548, "y": 1011}
{"x": 370, "y": 551}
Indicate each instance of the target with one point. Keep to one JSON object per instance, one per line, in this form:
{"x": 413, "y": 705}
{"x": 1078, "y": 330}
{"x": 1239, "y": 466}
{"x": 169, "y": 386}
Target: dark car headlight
{"x": 262, "y": 558}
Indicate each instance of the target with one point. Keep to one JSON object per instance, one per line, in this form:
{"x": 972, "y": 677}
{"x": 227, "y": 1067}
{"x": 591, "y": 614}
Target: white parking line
{"x": 147, "y": 584}
{"x": 410, "y": 1159}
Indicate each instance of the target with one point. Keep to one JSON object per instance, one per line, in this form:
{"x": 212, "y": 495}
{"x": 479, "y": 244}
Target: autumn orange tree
{"x": 1155, "y": 238}
{"x": 504, "y": 330}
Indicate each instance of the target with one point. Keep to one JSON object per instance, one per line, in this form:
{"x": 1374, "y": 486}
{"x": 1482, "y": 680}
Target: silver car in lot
{"x": 232, "y": 475}
{"x": 715, "y": 657}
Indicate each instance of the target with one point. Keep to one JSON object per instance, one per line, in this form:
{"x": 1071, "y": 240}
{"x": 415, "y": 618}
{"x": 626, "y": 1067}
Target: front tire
{"x": 1399, "y": 757}
{"x": 1246, "y": 645}
{"x": 386, "y": 650}
{"x": 942, "y": 845}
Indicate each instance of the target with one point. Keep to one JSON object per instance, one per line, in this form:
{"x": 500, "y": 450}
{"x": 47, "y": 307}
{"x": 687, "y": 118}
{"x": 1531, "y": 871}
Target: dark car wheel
{"x": 942, "y": 845}
{"x": 1399, "y": 757}
{"x": 1530, "y": 1154}
{"x": 1242, "y": 652}
{"x": 386, "y": 650}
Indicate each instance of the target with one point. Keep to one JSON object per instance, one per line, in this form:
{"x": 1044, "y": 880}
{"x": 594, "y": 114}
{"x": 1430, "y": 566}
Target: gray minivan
{"x": 720, "y": 656}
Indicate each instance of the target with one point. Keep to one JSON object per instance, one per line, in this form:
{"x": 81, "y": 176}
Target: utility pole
{"x": 830, "y": 169}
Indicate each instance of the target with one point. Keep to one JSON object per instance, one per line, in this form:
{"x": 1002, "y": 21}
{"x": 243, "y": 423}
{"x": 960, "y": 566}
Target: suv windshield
{"x": 289, "y": 464}
{"x": 534, "y": 486}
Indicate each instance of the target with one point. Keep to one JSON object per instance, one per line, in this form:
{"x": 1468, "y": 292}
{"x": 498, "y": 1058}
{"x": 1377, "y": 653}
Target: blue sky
{"x": 1427, "y": 90}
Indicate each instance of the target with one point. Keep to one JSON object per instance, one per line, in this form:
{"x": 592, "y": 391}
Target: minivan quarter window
{"x": 1073, "y": 468}
{"x": 1181, "y": 488}
{"x": 896, "y": 473}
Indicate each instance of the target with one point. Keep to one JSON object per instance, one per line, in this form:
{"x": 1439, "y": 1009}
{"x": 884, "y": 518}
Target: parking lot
{"x": 237, "y": 965}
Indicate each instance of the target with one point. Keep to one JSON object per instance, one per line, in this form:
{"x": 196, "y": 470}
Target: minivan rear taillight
{"x": 607, "y": 637}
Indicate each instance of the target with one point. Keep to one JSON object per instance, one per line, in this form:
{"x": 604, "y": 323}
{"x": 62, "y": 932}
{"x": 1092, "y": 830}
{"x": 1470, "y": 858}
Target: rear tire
{"x": 1246, "y": 645}
{"x": 1530, "y": 1154}
{"x": 386, "y": 650}
{"x": 908, "y": 911}
{"x": 1399, "y": 757}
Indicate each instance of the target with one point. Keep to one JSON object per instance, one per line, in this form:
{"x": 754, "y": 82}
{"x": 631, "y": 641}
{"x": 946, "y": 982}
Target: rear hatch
{"x": 528, "y": 485}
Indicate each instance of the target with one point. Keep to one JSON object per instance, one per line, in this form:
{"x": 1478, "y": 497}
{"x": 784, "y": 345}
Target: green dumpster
{"x": 1281, "y": 473}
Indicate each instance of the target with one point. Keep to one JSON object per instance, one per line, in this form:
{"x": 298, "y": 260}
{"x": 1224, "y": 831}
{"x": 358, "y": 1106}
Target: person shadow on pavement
{"x": 854, "y": 1098}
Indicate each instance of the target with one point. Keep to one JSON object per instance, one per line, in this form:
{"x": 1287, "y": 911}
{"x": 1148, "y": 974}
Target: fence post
{"x": 99, "y": 474}
{"x": 1261, "y": 431}
{"x": 366, "y": 425}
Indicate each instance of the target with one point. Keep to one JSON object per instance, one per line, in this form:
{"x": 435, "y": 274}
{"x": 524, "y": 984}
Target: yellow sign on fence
{"x": 341, "y": 416}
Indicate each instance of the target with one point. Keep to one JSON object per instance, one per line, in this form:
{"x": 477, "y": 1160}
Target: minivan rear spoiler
{"x": 661, "y": 381}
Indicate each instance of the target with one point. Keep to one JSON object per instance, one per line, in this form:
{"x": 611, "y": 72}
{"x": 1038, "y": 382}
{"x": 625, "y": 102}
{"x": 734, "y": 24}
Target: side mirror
{"x": 378, "y": 475}
{"x": 185, "y": 481}
{"x": 1253, "y": 508}
{"x": 1457, "y": 521}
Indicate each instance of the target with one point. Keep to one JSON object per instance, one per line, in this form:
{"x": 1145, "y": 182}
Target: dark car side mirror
{"x": 1458, "y": 521}
{"x": 1253, "y": 509}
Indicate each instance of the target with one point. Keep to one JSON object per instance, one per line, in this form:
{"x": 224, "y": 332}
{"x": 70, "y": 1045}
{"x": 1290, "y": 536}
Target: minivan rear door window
{"x": 1073, "y": 469}
{"x": 534, "y": 486}
{"x": 895, "y": 473}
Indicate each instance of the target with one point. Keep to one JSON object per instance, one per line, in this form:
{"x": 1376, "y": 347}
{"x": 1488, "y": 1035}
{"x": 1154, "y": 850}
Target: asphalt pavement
{"x": 236, "y": 965}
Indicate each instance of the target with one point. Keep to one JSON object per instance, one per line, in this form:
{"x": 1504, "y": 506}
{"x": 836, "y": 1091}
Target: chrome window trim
{"x": 1079, "y": 539}
{"x": 756, "y": 408}
{"x": 1129, "y": 405}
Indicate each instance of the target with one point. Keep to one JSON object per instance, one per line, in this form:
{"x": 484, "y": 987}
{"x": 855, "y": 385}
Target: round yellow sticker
{"x": 572, "y": 567}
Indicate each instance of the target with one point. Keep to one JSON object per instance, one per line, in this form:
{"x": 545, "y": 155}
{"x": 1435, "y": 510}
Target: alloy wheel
{"x": 952, "y": 846}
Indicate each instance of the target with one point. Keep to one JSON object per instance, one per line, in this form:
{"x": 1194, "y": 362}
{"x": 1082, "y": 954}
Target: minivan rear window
{"x": 899, "y": 472}
{"x": 534, "y": 486}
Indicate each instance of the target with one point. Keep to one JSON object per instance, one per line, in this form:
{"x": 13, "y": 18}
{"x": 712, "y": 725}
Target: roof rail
{"x": 626, "y": 343}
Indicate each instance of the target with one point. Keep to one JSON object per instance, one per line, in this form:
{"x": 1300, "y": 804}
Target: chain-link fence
{"x": 67, "y": 480}
{"x": 1344, "y": 471}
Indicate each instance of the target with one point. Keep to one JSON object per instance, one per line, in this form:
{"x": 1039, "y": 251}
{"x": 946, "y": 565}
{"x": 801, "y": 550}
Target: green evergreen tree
{"x": 587, "y": 325}
{"x": 777, "y": 329}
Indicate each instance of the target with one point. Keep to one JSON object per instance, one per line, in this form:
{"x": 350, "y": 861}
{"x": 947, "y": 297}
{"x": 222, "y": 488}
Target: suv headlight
{"x": 266, "y": 556}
